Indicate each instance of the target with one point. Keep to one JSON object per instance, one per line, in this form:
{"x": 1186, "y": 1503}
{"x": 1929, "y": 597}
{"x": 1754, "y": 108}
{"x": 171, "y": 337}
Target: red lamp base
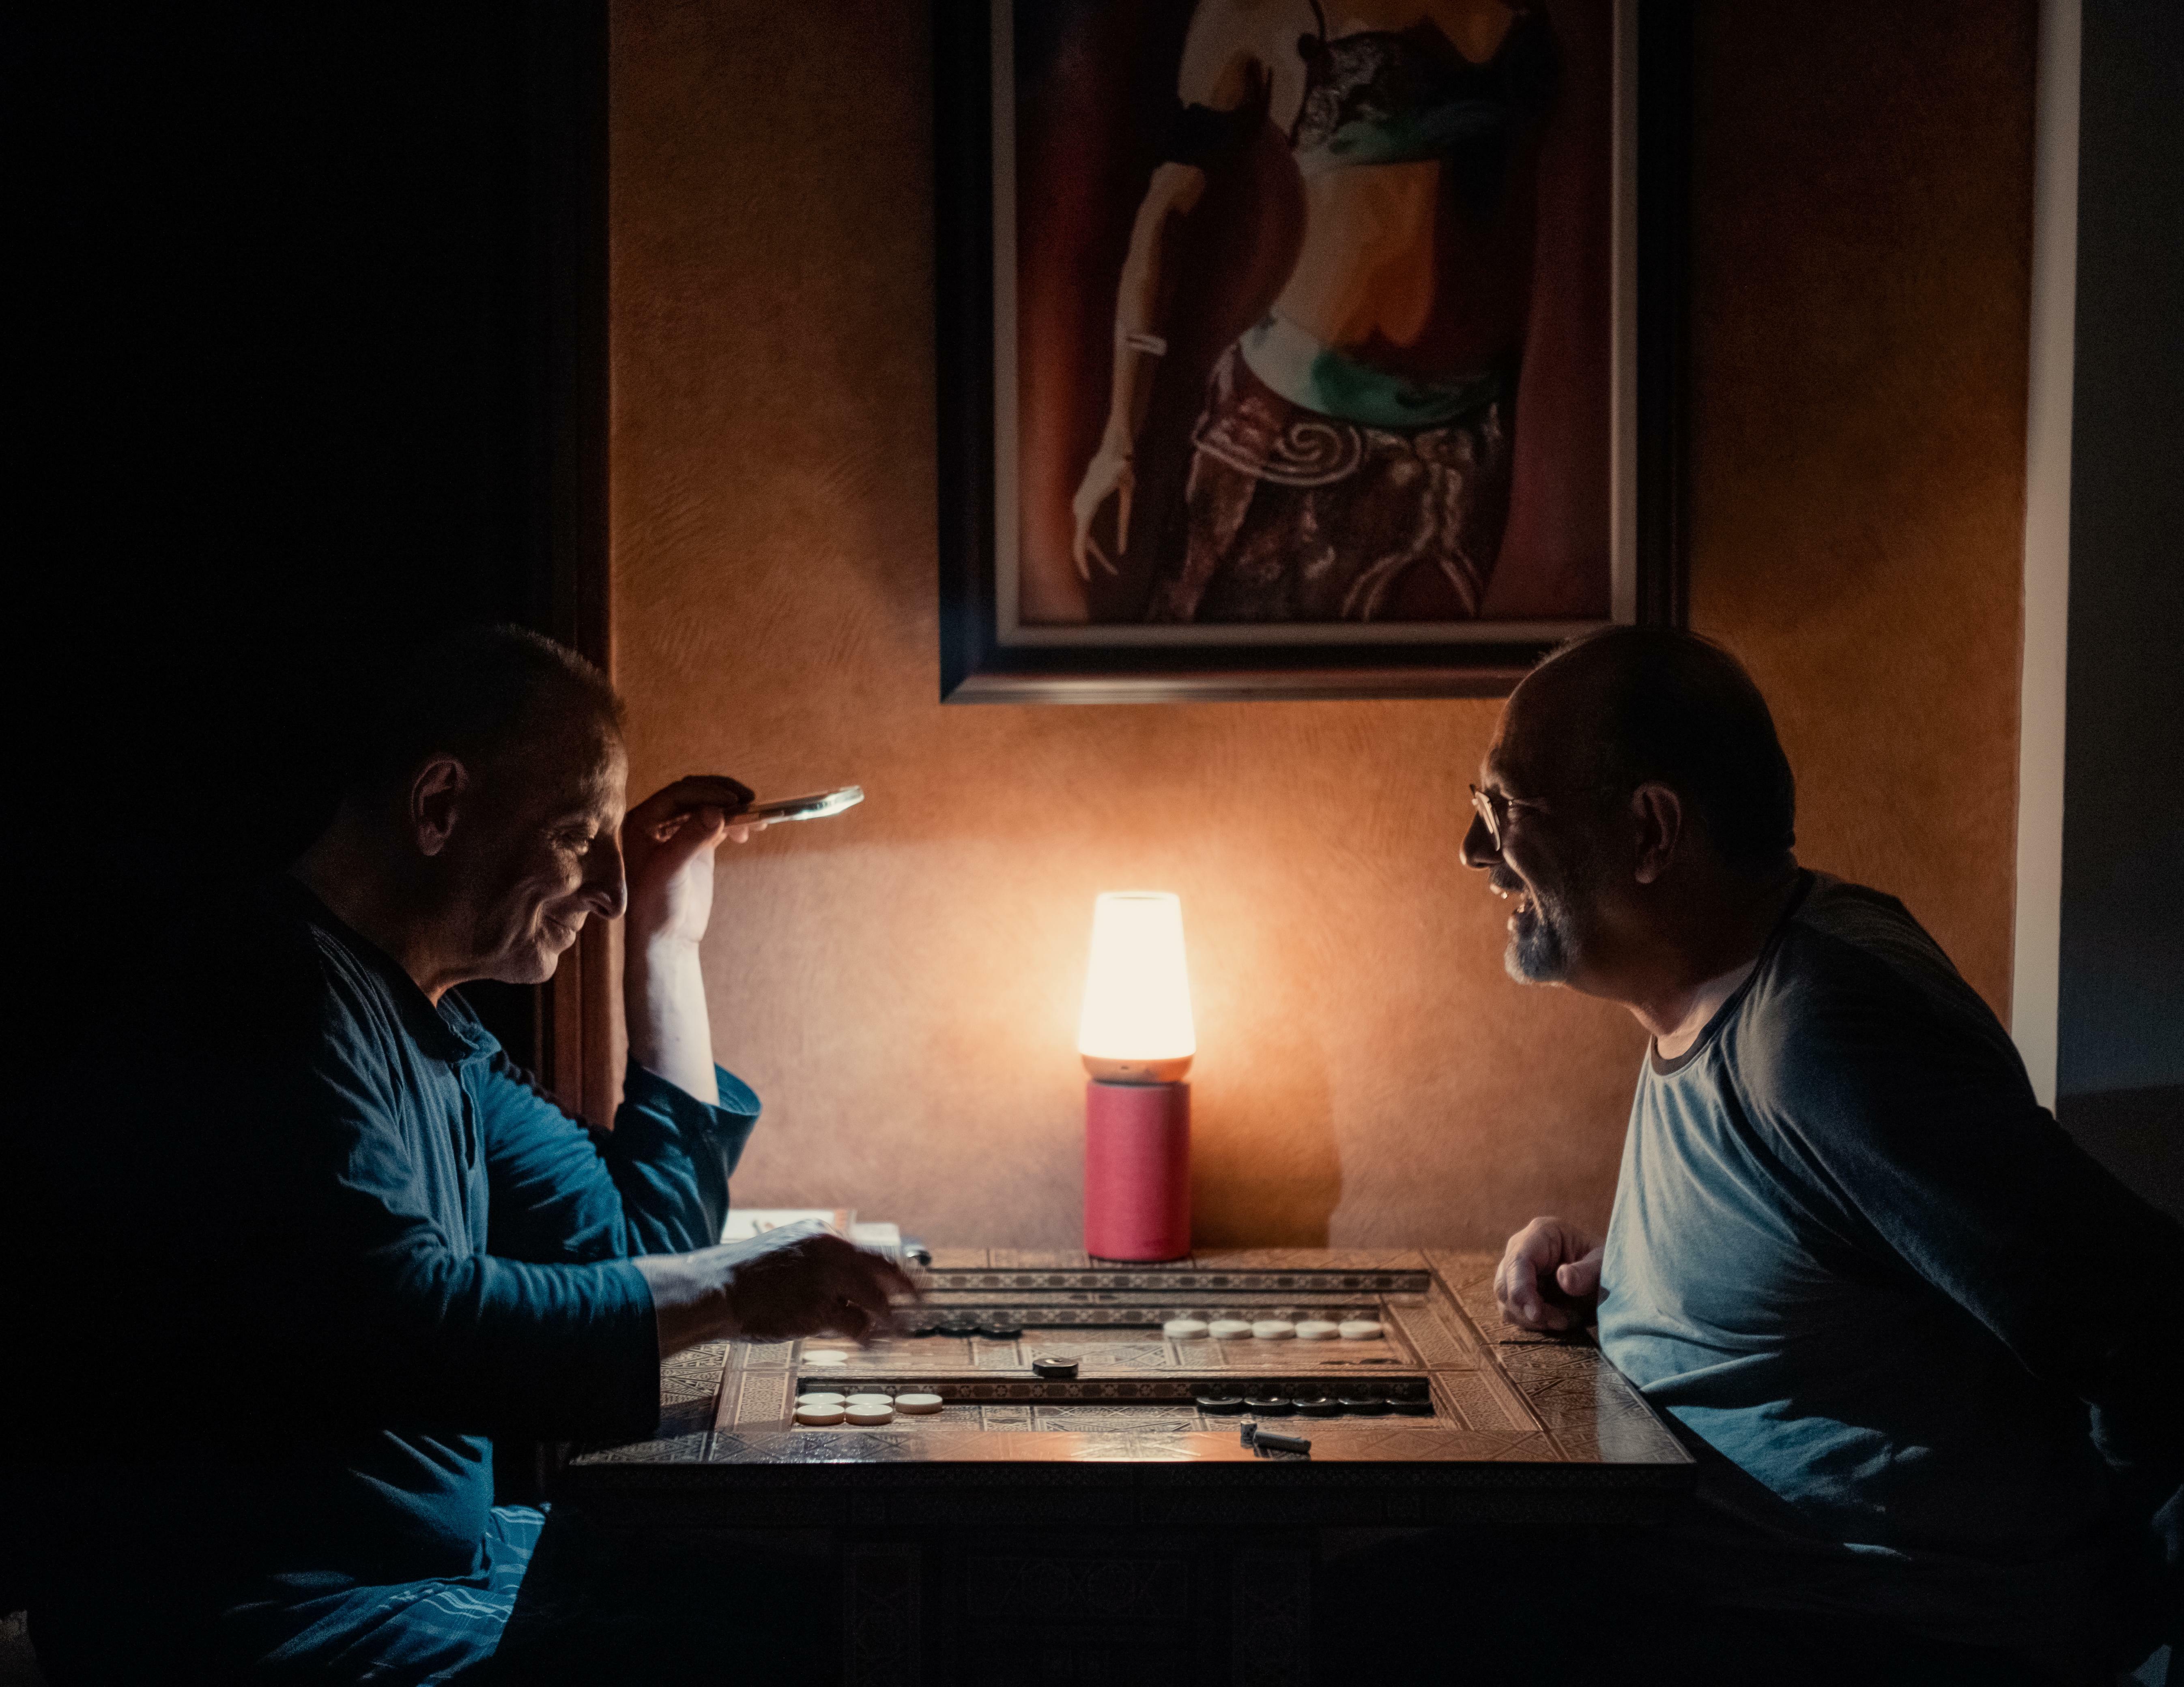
{"x": 1137, "y": 1170}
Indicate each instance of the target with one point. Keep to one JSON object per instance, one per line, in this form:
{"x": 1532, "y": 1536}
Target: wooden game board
{"x": 1497, "y": 1393}
{"x": 1117, "y": 1466}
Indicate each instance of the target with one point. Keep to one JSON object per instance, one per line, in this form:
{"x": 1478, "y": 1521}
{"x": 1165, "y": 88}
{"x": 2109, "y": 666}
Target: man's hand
{"x": 1566, "y": 1258}
{"x": 667, "y": 845}
{"x": 798, "y": 1280}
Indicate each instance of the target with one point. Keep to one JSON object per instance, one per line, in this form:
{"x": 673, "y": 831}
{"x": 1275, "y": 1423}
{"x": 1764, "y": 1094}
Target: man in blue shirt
{"x": 1926, "y": 1350}
{"x": 346, "y": 1240}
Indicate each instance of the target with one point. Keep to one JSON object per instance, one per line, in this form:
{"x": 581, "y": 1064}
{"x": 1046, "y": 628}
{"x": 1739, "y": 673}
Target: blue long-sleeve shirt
{"x": 1929, "y": 1347}
{"x": 346, "y": 1241}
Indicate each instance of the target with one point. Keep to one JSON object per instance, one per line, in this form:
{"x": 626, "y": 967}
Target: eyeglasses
{"x": 1494, "y": 809}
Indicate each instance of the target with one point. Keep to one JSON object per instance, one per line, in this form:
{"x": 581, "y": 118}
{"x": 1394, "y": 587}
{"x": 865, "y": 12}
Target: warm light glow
{"x": 1137, "y": 1024}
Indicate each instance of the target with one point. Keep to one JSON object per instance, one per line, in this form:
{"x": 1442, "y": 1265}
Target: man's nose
{"x": 1480, "y": 849}
{"x": 608, "y": 889}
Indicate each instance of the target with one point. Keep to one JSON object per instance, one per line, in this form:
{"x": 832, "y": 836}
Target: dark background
{"x": 2120, "y": 1079}
{"x": 310, "y": 358}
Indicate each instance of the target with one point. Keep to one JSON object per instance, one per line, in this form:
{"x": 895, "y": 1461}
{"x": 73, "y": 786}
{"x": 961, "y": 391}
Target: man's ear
{"x": 436, "y": 800}
{"x": 1657, "y": 815}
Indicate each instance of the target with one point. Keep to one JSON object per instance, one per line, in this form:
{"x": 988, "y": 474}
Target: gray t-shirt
{"x": 1934, "y": 1344}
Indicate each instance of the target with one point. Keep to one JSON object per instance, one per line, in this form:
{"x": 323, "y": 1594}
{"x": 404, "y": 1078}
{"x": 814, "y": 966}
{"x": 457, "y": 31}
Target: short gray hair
{"x": 482, "y": 694}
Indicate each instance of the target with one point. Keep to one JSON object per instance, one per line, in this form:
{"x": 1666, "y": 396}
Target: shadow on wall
{"x": 1265, "y": 1171}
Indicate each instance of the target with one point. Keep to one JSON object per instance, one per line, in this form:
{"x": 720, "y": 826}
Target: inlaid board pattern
{"x": 1139, "y": 1418}
{"x": 1170, "y": 1280}
{"x": 1317, "y": 1260}
{"x": 690, "y": 1384}
{"x": 1103, "y": 1350}
{"x": 1588, "y": 1405}
{"x": 1346, "y": 1444}
{"x": 1031, "y": 1307}
{"x": 1496, "y": 1392}
{"x": 1468, "y": 1280}
{"x": 694, "y": 1374}
{"x": 1137, "y": 1385}
{"x": 1565, "y": 1383}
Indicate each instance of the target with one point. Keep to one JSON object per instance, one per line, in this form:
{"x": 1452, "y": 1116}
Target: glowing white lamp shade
{"x": 1136, "y": 1027}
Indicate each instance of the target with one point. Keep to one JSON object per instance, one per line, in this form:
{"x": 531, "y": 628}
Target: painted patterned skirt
{"x": 1294, "y": 514}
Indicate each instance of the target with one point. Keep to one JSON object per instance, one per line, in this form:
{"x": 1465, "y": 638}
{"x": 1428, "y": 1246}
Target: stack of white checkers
{"x": 861, "y": 1411}
{"x": 1272, "y": 1329}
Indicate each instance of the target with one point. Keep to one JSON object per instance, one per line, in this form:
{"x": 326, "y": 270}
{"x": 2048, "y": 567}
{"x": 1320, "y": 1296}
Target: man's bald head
{"x": 1630, "y": 705}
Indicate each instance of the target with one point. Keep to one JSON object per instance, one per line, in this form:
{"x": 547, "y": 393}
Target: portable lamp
{"x": 1137, "y": 1042}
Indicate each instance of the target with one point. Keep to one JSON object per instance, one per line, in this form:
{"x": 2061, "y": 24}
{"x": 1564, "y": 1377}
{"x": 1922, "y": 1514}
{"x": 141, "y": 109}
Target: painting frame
{"x": 1649, "y": 407}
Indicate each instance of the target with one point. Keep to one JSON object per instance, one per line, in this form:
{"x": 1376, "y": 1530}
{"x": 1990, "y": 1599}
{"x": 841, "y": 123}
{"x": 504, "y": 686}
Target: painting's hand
{"x": 1553, "y": 1249}
{"x": 1109, "y": 475}
{"x": 667, "y": 844}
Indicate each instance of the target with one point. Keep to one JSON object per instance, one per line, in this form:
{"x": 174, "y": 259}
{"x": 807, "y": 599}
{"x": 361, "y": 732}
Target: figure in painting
{"x": 1352, "y": 460}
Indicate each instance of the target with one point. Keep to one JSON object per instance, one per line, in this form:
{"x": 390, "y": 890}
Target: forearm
{"x": 689, "y": 1299}
{"x": 664, "y": 1006}
{"x": 1175, "y": 191}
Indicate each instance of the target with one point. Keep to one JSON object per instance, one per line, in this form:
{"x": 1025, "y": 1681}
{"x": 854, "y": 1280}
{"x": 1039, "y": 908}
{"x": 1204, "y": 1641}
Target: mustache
{"x": 1501, "y": 878}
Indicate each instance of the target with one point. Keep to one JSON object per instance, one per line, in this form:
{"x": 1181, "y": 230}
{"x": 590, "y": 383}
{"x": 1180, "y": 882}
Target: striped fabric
{"x": 415, "y": 1632}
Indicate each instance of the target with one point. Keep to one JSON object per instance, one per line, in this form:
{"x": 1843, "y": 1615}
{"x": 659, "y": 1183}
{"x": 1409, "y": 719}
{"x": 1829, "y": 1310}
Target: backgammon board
{"x": 1024, "y": 1495}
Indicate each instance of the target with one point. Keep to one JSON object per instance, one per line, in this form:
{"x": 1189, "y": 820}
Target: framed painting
{"x": 1301, "y": 349}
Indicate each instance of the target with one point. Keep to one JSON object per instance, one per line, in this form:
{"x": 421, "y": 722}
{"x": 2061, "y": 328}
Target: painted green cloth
{"x": 1317, "y": 376}
{"x": 347, "y": 1241}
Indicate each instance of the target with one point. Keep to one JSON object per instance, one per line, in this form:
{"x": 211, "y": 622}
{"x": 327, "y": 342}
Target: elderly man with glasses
{"x": 1924, "y": 1349}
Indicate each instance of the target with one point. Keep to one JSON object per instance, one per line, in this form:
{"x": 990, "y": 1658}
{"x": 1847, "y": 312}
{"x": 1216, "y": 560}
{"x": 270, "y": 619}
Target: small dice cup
{"x": 1137, "y": 1170}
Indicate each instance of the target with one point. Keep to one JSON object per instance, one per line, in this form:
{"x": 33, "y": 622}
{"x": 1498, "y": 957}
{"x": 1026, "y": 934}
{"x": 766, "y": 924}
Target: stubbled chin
{"x": 1535, "y": 954}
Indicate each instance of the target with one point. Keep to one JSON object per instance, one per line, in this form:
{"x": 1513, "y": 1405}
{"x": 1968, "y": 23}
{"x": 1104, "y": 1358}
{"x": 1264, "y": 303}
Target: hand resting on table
{"x": 1548, "y": 1277}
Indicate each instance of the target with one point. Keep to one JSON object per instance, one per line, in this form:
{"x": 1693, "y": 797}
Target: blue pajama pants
{"x": 414, "y": 1633}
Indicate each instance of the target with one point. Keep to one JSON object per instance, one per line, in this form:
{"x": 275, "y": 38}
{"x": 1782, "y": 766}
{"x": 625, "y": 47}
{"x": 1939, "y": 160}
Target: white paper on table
{"x": 747, "y": 1222}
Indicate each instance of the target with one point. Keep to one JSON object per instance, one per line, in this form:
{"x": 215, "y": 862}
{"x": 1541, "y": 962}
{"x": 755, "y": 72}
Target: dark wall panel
{"x": 2122, "y": 995}
{"x": 293, "y": 406}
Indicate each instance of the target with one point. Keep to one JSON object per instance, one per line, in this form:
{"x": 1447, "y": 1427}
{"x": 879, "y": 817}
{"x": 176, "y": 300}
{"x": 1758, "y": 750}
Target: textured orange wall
{"x": 1862, "y": 256}
{"x": 902, "y": 984}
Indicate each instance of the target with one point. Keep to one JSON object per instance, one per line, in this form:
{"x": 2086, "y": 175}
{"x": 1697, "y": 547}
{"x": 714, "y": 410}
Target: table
{"x": 1104, "y": 1526}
